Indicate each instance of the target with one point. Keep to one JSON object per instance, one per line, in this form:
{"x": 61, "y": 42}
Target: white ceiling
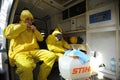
{"x": 41, "y": 8}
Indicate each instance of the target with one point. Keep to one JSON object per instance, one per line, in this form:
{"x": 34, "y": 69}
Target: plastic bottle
{"x": 113, "y": 65}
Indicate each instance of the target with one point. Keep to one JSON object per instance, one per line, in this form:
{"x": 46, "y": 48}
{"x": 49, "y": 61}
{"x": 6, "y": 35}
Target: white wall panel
{"x": 104, "y": 44}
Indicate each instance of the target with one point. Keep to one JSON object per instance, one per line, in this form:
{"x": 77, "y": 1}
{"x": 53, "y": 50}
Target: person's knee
{"x": 52, "y": 55}
{"x": 26, "y": 67}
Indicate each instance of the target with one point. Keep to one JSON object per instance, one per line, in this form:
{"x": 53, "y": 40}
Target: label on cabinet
{"x": 104, "y": 16}
{"x": 73, "y": 24}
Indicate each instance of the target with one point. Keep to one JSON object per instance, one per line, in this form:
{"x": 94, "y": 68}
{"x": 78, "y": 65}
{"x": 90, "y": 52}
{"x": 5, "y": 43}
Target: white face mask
{"x": 56, "y": 38}
{"x": 59, "y": 37}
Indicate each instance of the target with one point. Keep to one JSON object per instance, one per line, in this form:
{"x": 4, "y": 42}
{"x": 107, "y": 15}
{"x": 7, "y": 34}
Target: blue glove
{"x": 67, "y": 52}
{"x": 76, "y": 52}
{"x": 82, "y": 56}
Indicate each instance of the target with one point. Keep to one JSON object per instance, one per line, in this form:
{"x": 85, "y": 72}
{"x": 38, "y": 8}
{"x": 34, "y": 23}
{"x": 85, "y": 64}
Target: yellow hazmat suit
{"x": 56, "y": 46}
{"x": 23, "y": 49}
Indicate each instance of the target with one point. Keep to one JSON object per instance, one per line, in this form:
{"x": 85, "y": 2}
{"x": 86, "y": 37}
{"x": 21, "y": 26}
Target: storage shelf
{"x": 83, "y": 14}
{"x": 75, "y": 31}
{"x": 102, "y": 28}
{"x": 108, "y": 74}
{"x": 103, "y": 4}
{"x": 107, "y": 71}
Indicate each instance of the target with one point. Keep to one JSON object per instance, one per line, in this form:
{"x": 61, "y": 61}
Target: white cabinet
{"x": 103, "y": 34}
{"x": 74, "y": 24}
{"x": 101, "y": 31}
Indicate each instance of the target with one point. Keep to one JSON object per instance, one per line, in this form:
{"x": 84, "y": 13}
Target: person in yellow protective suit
{"x": 56, "y": 43}
{"x": 24, "y": 50}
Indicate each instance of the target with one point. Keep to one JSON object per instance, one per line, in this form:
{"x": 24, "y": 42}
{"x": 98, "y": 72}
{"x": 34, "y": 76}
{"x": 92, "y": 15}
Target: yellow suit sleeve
{"x": 66, "y": 45}
{"x": 13, "y": 30}
{"x": 38, "y": 35}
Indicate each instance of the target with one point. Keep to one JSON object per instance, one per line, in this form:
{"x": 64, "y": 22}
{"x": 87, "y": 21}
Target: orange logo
{"x": 81, "y": 70}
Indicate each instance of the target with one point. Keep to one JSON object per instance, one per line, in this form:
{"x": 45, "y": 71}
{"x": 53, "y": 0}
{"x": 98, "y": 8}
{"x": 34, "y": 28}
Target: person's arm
{"x": 38, "y": 35}
{"x": 13, "y": 30}
{"x": 66, "y": 45}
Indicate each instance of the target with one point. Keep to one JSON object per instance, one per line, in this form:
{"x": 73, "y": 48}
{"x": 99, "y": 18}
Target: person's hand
{"x": 71, "y": 48}
{"x": 66, "y": 50}
{"x": 33, "y": 27}
{"x": 28, "y": 25}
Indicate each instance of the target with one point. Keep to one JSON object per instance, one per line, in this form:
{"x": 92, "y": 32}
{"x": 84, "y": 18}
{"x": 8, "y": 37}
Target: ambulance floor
{"x": 55, "y": 75}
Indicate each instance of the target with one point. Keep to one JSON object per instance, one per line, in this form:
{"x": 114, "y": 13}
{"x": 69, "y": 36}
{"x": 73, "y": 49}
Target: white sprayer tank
{"x": 71, "y": 68}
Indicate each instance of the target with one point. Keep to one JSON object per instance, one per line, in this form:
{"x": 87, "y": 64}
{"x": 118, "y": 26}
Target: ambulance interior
{"x": 95, "y": 24}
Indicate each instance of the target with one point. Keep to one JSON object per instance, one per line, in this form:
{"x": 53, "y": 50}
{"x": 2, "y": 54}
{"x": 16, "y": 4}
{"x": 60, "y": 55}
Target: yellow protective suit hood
{"x": 56, "y": 31}
{"x": 25, "y": 14}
